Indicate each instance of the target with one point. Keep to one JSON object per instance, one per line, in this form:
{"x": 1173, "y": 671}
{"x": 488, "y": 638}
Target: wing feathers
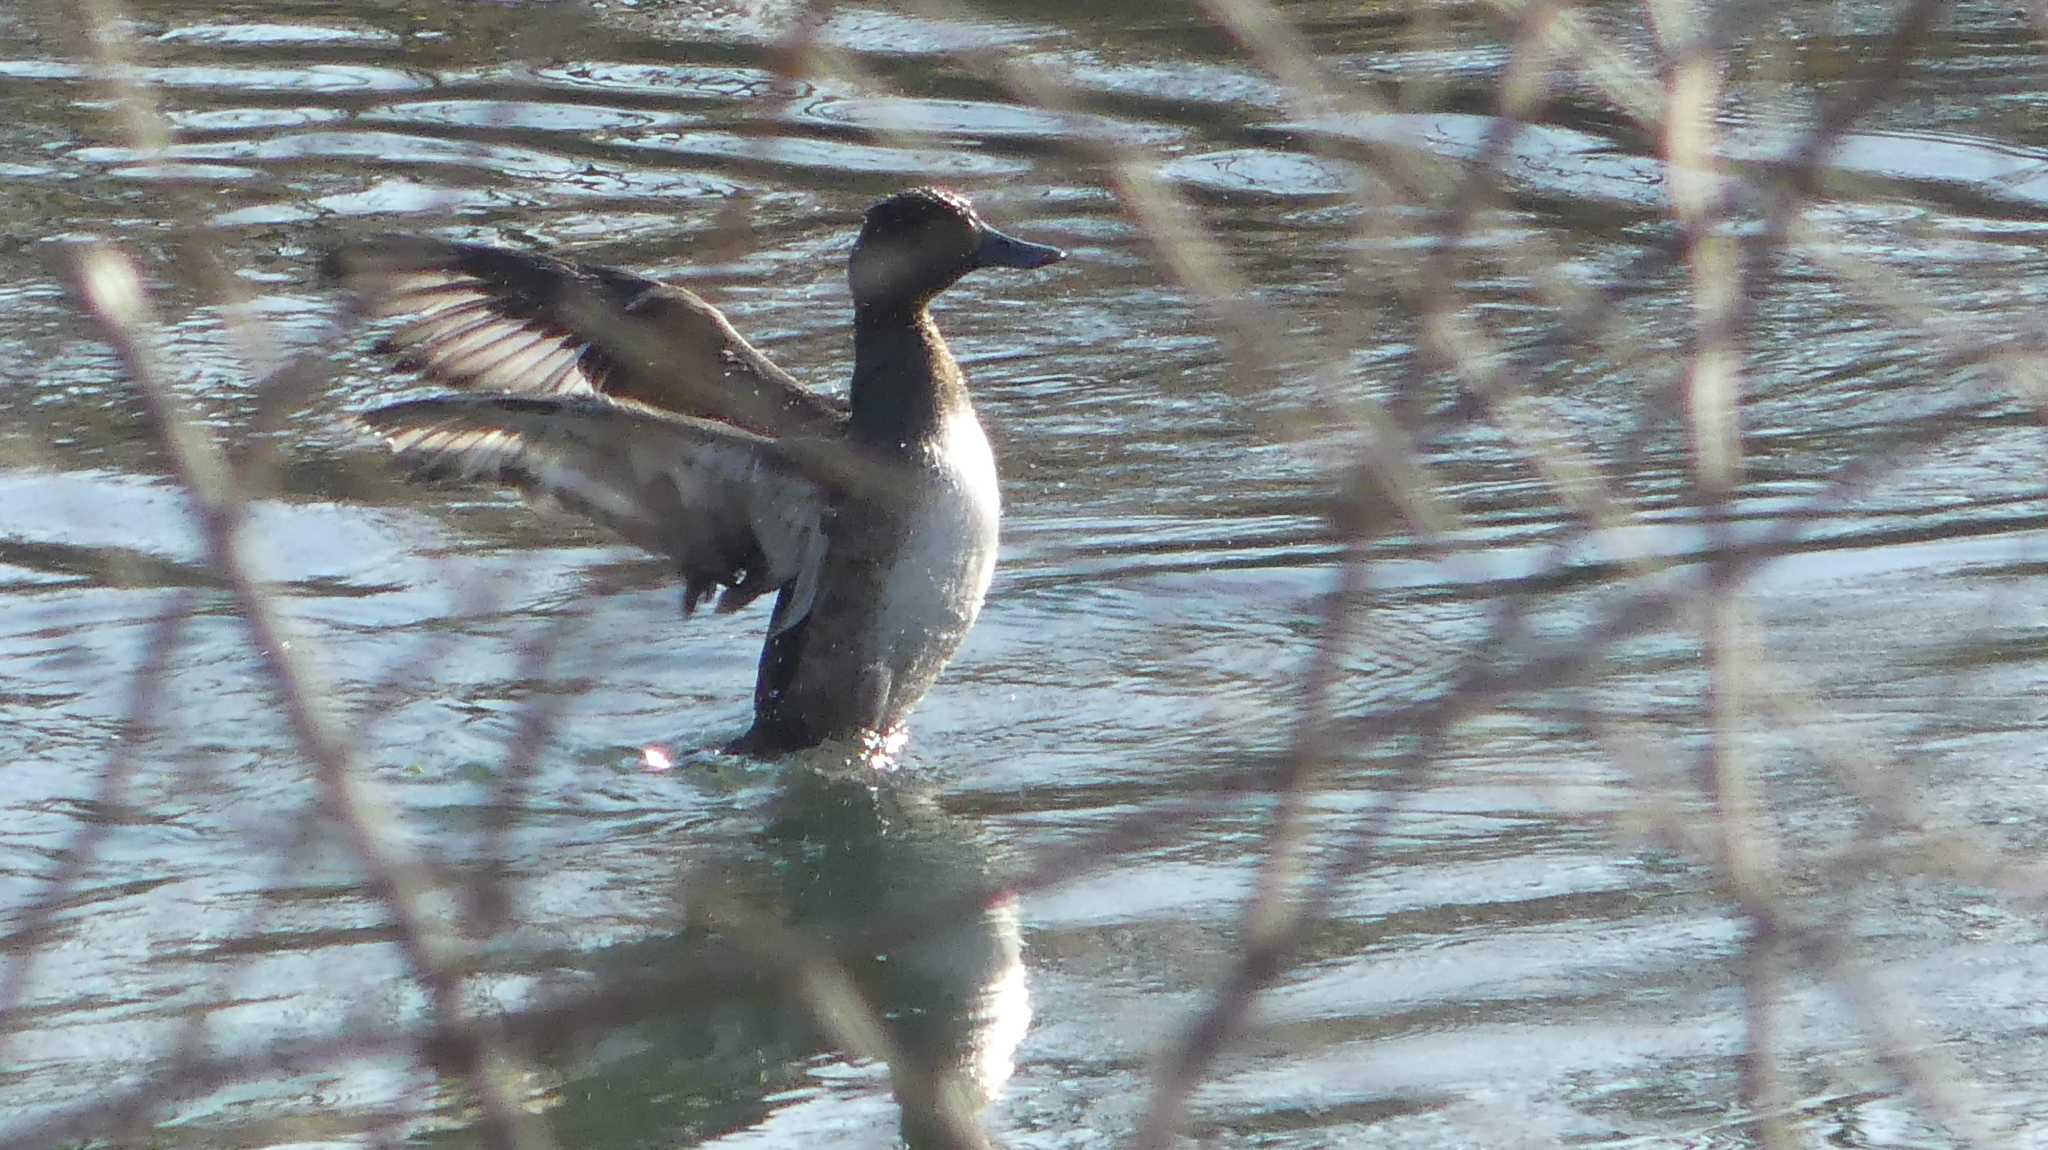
{"x": 718, "y": 501}
{"x": 631, "y": 401}
{"x": 474, "y": 310}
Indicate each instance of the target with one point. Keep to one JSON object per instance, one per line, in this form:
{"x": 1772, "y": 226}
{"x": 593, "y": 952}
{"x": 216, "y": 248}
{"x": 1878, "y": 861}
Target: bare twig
{"x": 112, "y": 287}
{"x": 145, "y": 696}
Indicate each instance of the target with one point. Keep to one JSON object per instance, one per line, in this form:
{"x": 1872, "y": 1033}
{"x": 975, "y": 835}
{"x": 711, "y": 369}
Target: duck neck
{"x": 905, "y": 381}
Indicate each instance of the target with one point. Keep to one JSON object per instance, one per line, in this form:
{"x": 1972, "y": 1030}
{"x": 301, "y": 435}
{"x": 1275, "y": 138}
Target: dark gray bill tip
{"x": 1000, "y": 251}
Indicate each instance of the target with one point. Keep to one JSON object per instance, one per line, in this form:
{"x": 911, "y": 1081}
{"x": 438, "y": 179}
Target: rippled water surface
{"x": 1512, "y": 965}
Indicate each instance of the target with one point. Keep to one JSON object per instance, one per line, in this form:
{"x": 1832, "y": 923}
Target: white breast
{"x": 936, "y": 585}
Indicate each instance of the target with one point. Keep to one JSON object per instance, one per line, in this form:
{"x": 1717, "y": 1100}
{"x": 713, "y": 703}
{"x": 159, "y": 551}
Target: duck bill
{"x": 1000, "y": 251}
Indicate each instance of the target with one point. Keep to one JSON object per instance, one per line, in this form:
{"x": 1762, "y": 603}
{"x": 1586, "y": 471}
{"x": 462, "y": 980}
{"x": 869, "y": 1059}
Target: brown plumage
{"x": 637, "y": 404}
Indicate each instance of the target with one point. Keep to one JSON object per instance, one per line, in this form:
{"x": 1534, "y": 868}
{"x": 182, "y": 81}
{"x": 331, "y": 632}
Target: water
{"x": 1515, "y": 964}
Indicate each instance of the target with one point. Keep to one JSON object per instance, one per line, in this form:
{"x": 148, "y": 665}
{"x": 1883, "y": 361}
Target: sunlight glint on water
{"x": 1502, "y": 969}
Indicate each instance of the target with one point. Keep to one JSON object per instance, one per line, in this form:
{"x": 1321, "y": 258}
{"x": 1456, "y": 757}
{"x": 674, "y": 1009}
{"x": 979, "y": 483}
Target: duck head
{"x": 918, "y": 243}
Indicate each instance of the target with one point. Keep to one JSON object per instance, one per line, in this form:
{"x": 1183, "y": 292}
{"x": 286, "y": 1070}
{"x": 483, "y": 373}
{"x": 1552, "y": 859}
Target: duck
{"x": 873, "y": 518}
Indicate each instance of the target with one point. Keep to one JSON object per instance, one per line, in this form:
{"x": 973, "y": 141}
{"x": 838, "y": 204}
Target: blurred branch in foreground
{"x": 1710, "y": 799}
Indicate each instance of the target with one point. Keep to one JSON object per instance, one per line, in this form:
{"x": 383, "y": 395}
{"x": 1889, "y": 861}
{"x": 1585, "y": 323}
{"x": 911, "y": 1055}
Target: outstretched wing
{"x": 724, "y": 504}
{"x": 487, "y": 319}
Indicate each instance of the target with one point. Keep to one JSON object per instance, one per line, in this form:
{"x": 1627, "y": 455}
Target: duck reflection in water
{"x": 836, "y": 892}
{"x": 873, "y": 520}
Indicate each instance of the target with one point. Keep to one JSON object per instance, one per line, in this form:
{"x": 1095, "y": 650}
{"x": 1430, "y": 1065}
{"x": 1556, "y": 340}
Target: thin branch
{"x": 112, "y": 288}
